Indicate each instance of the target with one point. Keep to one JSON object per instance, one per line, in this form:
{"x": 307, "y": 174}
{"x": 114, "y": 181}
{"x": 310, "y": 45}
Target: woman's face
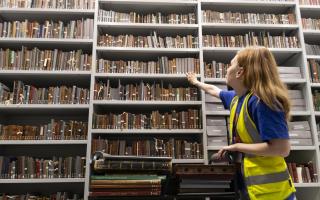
{"x": 231, "y": 77}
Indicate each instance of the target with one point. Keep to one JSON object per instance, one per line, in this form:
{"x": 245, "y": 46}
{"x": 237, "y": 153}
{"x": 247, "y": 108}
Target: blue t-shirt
{"x": 270, "y": 124}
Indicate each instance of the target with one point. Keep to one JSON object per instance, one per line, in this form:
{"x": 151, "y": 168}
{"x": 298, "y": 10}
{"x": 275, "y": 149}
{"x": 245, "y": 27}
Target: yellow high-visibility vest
{"x": 266, "y": 177}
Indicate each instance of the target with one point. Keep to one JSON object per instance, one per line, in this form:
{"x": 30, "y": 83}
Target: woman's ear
{"x": 239, "y": 72}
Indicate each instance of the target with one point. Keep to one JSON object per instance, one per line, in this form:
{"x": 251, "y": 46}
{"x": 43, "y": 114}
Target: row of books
{"x": 297, "y": 100}
{"x": 205, "y": 179}
{"x": 314, "y": 69}
{"x": 126, "y": 185}
{"x": 152, "y": 18}
{"x": 114, "y": 175}
{"x": 309, "y": 2}
{"x": 151, "y": 41}
{"x": 209, "y": 16}
{"x": 189, "y": 119}
{"x": 309, "y": 23}
{"x": 163, "y": 65}
{"x": 54, "y": 130}
{"x": 25, "y": 167}
{"x": 251, "y": 39}
{"x": 219, "y": 70}
{"x": 79, "y": 29}
{"x": 218, "y": 127}
{"x": 37, "y": 196}
{"x": 316, "y": 99}
{"x": 51, "y": 60}
{"x": 302, "y": 173}
{"x": 170, "y": 147}
{"x": 110, "y": 165}
{"x": 53, "y": 4}
{"x": 29, "y": 94}
{"x": 300, "y": 133}
{"x": 144, "y": 91}
{"x": 215, "y": 69}
{"x": 312, "y": 49}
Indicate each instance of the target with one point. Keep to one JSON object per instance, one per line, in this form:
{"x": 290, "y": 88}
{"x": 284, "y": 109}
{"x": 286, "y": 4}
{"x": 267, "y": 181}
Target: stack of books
{"x": 128, "y": 175}
{"x": 205, "y": 180}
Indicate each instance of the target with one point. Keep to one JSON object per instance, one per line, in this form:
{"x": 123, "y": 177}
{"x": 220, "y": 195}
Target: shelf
{"x": 41, "y": 142}
{"x": 235, "y": 49}
{"x": 215, "y": 80}
{"x": 187, "y": 161}
{"x": 221, "y": 113}
{"x": 74, "y": 76}
{"x": 146, "y": 131}
{"x": 249, "y": 3}
{"x": 142, "y": 76}
{"x": 293, "y": 80}
{"x": 44, "y": 109}
{"x": 298, "y": 148}
{"x": 234, "y": 26}
{"x": 315, "y": 85}
{"x": 44, "y": 106}
{"x": 306, "y": 185}
{"x": 316, "y": 57}
{"x": 137, "y": 29}
{"x": 300, "y": 113}
{"x": 154, "y": 26}
{"x": 152, "y": 2}
{"x": 214, "y": 148}
{"x": 50, "y": 13}
{"x": 47, "y": 11}
{"x": 44, "y": 180}
{"x": 148, "y": 50}
{"x": 285, "y": 80}
{"x": 46, "y": 40}
{"x": 145, "y": 103}
{"x": 317, "y": 113}
{"x": 47, "y": 43}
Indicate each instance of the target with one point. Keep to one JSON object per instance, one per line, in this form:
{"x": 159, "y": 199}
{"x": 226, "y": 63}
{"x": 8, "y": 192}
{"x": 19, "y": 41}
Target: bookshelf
{"x": 42, "y": 113}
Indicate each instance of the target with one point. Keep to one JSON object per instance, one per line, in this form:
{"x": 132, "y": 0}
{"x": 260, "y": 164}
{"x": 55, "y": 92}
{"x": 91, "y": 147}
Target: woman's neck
{"x": 240, "y": 90}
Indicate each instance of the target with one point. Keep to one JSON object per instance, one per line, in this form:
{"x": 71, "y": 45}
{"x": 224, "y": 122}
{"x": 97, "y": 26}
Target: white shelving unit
{"x": 292, "y": 56}
{"x": 39, "y": 114}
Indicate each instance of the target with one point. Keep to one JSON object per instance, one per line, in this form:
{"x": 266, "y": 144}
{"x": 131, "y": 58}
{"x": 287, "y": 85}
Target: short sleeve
{"x": 226, "y": 97}
{"x": 271, "y": 124}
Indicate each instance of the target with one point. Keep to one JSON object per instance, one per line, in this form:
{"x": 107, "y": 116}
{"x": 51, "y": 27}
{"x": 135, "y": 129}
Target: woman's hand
{"x": 192, "y": 78}
{"x": 221, "y": 152}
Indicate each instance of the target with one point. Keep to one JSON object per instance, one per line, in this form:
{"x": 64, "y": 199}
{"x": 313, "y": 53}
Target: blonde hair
{"x": 262, "y": 78}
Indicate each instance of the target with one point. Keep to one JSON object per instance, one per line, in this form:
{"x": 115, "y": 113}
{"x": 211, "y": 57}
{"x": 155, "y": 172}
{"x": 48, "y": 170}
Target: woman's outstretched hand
{"x": 192, "y": 78}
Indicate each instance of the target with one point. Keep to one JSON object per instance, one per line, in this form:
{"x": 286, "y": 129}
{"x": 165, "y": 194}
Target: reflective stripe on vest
{"x": 253, "y": 132}
{"x": 267, "y": 178}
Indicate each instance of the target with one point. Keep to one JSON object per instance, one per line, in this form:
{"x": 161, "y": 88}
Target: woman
{"x": 259, "y": 111}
